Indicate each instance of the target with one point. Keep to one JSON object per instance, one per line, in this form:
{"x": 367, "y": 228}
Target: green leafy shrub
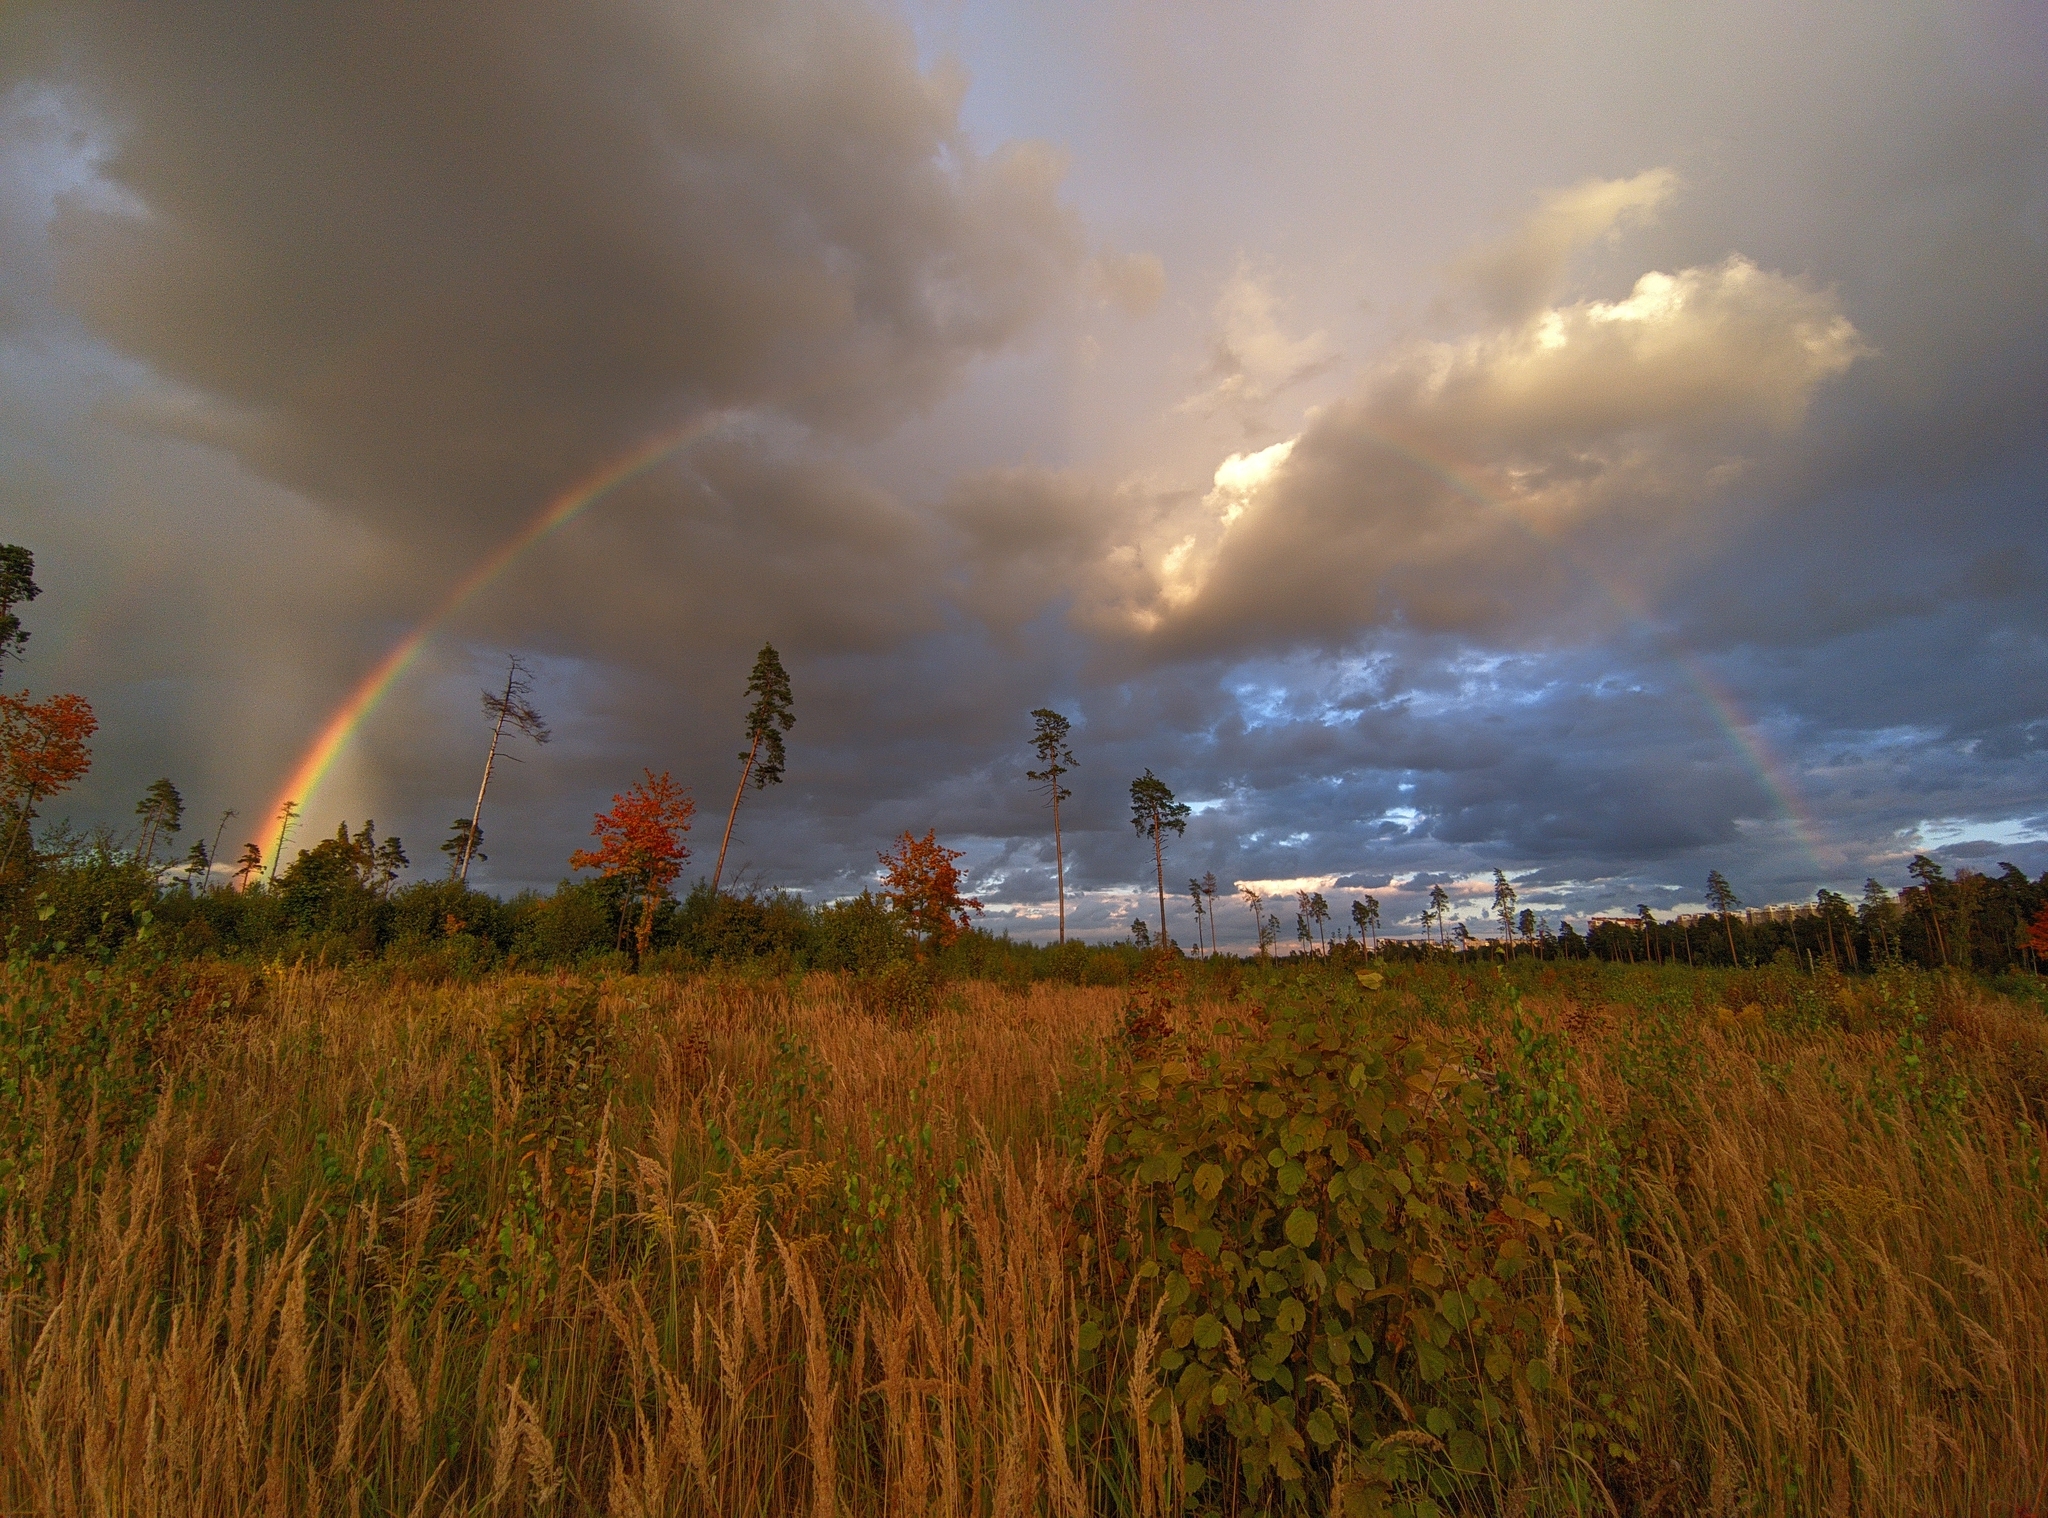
{"x": 1358, "y": 1291}
{"x": 553, "y": 1049}
{"x": 906, "y": 992}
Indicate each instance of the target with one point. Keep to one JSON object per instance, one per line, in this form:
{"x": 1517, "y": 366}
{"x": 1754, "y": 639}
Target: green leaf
{"x": 1321, "y": 1429}
{"x": 1208, "y": 1181}
{"x": 1271, "y": 1105}
{"x": 1208, "y": 1332}
{"x": 1301, "y": 1228}
{"x": 1289, "y": 1316}
{"x": 1468, "y": 1450}
{"x": 1292, "y": 1177}
{"x": 1432, "y": 1360}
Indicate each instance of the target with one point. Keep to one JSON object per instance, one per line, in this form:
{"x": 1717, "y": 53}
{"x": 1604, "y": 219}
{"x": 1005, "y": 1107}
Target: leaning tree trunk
{"x": 733, "y": 815}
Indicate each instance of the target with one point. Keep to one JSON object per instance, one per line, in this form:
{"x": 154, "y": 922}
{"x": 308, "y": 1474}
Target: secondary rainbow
{"x": 564, "y": 507}
{"x": 1774, "y": 775}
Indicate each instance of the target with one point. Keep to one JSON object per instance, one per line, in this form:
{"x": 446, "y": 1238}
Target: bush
{"x": 1353, "y": 1281}
{"x": 859, "y": 934}
{"x": 581, "y": 918}
{"x": 906, "y": 992}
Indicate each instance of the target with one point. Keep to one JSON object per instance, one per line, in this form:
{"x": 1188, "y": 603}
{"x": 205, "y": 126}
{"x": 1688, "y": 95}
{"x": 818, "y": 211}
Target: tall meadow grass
{"x": 325, "y": 1241}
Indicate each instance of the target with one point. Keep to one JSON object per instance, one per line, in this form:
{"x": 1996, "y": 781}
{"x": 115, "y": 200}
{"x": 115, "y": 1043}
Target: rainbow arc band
{"x": 561, "y": 509}
{"x": 1771, "y": 772}
{"x": 564, "y": 507}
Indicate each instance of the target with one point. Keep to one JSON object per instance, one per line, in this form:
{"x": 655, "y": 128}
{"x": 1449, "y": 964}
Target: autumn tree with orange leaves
{"x": 640, "y": 843}
{"x": 2037, "y": 934}
{"x": 920, "y": 880}
{"x": 42, "y": 752}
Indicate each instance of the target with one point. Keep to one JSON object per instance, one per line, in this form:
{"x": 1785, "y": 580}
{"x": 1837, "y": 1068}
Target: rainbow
{"x": 369, "y": 692}
{"x": 1771, "y": 772}
{"x": 561, "y": 509}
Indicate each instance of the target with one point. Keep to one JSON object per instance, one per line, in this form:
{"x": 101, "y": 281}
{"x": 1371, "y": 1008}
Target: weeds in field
{"x": 334, "y": 1241}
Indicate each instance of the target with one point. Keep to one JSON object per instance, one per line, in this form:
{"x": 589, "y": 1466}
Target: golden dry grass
{"x": 782, "y": 1257}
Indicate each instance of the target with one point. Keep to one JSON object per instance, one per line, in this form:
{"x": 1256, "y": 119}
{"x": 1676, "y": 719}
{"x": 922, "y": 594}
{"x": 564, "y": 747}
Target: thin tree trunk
{"x": 214, "y": 858}
{"x": 733, "y": 815}
{"x": 14, "y": 836}
{"x": 1159, "y": 864}
{"x": 284, "y": 823}
{"x": 1059, "y": 858}
{"x": 490, "y": 759}
{"x": 1934, "y": 915}
{"x": 1728, "y": 924}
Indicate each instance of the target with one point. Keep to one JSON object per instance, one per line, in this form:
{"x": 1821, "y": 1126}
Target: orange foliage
{"x": 42, "y": 752}
{"x": 2037, "y": 933}
{"x": 920, "y": 880}
{"x": 641, "y": 840}
{"x": 42, "y": 746}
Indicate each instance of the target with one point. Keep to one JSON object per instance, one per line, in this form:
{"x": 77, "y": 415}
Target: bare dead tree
{"x": 509, "y": 709}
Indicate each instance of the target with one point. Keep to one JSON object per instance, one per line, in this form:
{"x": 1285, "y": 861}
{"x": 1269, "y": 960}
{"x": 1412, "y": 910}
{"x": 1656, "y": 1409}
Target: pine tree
{"x": 162, "y": 811}
{"x": 1932, "y": 883}
{"x": 1504, "y": 899}
{"x": 1154, "y": 814}
{"x": 1366, "y": 914}
{"x": 465, "y": 842}
{"x": 1049, "y": 741}
{"x": 1257, "y": 903}
{"x": 1879, "y": 916}
{"x": 1722, "y": 898}
{"x": 768, "y": 719}
{"x": 17, "y": 588}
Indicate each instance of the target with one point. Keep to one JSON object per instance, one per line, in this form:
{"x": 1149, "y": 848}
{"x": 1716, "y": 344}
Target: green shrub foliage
{"x": 1356, "y": 1287}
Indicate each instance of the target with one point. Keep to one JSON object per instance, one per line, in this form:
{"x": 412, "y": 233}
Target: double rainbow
{"x": 355, "y": 709}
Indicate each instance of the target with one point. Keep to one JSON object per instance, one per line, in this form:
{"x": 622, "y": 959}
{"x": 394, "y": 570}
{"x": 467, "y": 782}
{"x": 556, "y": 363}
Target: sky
{"x": 1602, "y": 443}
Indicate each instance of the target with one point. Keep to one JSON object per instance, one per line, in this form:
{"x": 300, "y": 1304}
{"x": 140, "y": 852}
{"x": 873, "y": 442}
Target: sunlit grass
{"x": 339, "y": 1243}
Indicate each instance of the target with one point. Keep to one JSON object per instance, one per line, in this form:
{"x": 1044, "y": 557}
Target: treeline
{"x": 1992, "y": 924}
{"x": 338, "y": 902}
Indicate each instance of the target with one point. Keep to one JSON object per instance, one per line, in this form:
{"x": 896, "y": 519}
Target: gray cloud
{"x": 434, "y": 263}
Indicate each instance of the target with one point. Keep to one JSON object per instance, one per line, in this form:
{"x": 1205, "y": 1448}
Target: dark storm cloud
{"x": 1739, "y": 387}
{"x": 434, "y": 262}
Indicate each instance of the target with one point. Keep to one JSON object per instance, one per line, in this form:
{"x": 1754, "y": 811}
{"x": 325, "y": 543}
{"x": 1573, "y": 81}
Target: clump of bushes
{"x": 1358, "y": 1289}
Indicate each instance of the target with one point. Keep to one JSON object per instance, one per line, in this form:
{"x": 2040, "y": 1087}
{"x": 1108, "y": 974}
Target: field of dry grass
{"x": 328, "y": 1242}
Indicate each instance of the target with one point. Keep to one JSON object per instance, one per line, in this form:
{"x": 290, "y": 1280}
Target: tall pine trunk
{"x": 733, "y": 815}
{"x": 1059, "y": 858}
{"x": 1159, "y": 864}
